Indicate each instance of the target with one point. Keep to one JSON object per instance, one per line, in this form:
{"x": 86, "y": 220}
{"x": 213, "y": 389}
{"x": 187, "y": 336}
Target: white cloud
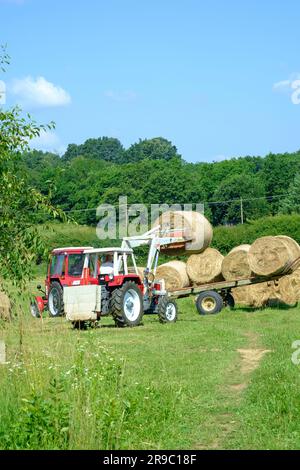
{"x": 39, "y": 93}
{"x": 48, "y": 141}
{"x": 127, "y": 95}
{"x": 285, "y": 86}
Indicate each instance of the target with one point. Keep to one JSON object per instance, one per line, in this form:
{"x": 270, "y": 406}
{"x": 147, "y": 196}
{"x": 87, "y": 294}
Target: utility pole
{"x": 242, "y": 211}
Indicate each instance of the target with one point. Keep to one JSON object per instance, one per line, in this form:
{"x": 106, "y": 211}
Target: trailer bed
{"x": 228, "y": 285}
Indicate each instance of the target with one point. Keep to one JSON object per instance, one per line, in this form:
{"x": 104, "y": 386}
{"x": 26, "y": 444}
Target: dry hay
{"x": 5, "y": 306}
{"x": 271, "y": 255}
{"x": 195, "y": 226}
{"x": 287, "y": 290}
{"x": 254, "y": 295}
{"x": 174, "y": 274}
{"x": 205, "y": 267}
{"x": 236, "y": 265}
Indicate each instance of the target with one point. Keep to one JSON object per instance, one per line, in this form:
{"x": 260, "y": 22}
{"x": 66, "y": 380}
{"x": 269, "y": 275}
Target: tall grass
{"x": 83, "y": 399}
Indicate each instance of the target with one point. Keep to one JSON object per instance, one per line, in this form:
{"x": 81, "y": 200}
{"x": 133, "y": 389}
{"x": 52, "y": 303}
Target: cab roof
{"x": 72, "y": 249}
{"x": 108, "y": 250}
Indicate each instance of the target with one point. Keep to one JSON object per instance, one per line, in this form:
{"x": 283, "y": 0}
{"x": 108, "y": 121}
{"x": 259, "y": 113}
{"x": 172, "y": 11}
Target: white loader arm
{"x": 155, "y": 241}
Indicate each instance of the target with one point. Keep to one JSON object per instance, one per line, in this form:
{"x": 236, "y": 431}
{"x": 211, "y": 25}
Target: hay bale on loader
{"x": 236, "y": 264}
{"x": 174, "y": 274}
{"x": 271, "y": 255}
{"x": 195, "y": 226}
{"x": 205, "y": 267}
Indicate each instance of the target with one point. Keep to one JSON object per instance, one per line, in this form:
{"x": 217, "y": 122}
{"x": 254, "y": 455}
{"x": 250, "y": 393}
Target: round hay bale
{"x": 236, "y": 265}
{"x": 254, "y": 295}
{"x": 5, "y": 306}
{"x": 287, "y": 290}
{"x": 195, "y": 226}
{"x": 174, "y": 274}
{"x": 292, "y": 244}
{"x": 271, "y": 255}
{"x": 205, "y": 267}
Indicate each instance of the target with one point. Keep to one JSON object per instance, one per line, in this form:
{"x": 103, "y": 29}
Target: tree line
{"x": 152, "y": 171}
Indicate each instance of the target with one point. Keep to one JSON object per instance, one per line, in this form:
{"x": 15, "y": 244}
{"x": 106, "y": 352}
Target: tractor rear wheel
{"x": 127, "y": 305}
{"x": 55, "y": 300}
{"x": 167, "y": 310}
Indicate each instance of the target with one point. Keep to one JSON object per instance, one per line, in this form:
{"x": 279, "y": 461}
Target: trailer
{"x": 212, "y": 297}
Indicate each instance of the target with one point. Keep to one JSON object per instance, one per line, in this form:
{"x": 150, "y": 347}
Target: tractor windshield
{"x": 57, "y": 267}
{"x": 75, "y": 264}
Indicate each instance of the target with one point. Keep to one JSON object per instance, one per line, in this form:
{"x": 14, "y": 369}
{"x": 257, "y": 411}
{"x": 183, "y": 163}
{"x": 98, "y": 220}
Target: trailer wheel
{"x": 55, "y": 300}
{"x": 127, "y": 305}
{"x": 167, "y": 310}
{"x": 209, "y": 302}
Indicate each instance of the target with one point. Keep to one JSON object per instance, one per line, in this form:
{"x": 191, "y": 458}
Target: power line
{"x": 205, "y": 203}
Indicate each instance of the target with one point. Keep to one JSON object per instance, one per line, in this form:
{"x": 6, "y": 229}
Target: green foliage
{"x": 291, "y": 203}
{"x": 226, "y": 238}
{"x": 85, "y": 402}
{"x": 247, "y": 187}
{"x": 103, "y": 148}
{"x": 152, "y": 149}
{"x": 152, "y": 172}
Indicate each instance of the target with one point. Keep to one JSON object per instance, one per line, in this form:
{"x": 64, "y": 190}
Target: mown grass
{"x": 151, "y": 387}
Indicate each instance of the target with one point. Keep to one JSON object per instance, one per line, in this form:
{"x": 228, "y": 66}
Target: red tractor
{"x": 87, "y": 283}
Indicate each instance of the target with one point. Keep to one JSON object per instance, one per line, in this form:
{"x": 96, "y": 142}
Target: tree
{"x": 152, "y": 149}
{"x": 227, "y": 199}
{"x": 103, "y": 148}
{"x": 20, "y": 204}
{"x": 291, "y": 203}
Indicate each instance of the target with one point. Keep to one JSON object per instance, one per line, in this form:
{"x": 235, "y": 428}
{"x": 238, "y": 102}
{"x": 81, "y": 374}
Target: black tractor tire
{"x": 34, "y": 309}
{"x": 209, "y": 303}
{"x": 55, "y": 300}
{"x": 127, "y": 305}
{"x": 167, "y": 310}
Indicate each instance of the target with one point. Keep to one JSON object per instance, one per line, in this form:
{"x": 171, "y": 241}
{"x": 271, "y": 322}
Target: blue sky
{"x": 215, "y": 78}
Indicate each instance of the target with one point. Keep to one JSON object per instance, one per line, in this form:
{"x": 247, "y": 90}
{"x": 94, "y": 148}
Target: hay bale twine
{"x": 5, "y": 306}
{"x": 196, "y": 227}
{"x": 271, "y": 255}
{"x": 174, "y": 274}
{"x": 236, "y": 265}
{"x": 205, "y": 267}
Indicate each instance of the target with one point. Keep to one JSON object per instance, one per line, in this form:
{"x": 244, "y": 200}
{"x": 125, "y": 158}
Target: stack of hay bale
{"x": 267, "y": 256}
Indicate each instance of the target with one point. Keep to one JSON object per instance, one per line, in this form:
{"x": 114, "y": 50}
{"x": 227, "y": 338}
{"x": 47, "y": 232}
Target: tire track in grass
{"x": 249, "y": 359}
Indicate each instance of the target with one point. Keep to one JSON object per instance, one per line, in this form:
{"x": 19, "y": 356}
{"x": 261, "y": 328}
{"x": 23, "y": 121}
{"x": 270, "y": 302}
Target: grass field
{"x": 213, "y": 382}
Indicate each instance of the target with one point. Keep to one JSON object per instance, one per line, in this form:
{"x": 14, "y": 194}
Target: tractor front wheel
{"x": 127, "y": 305}
{"x": 167, "y": 310}
{"x": 34, "y": 309}
{"x": 55, "y": 300}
